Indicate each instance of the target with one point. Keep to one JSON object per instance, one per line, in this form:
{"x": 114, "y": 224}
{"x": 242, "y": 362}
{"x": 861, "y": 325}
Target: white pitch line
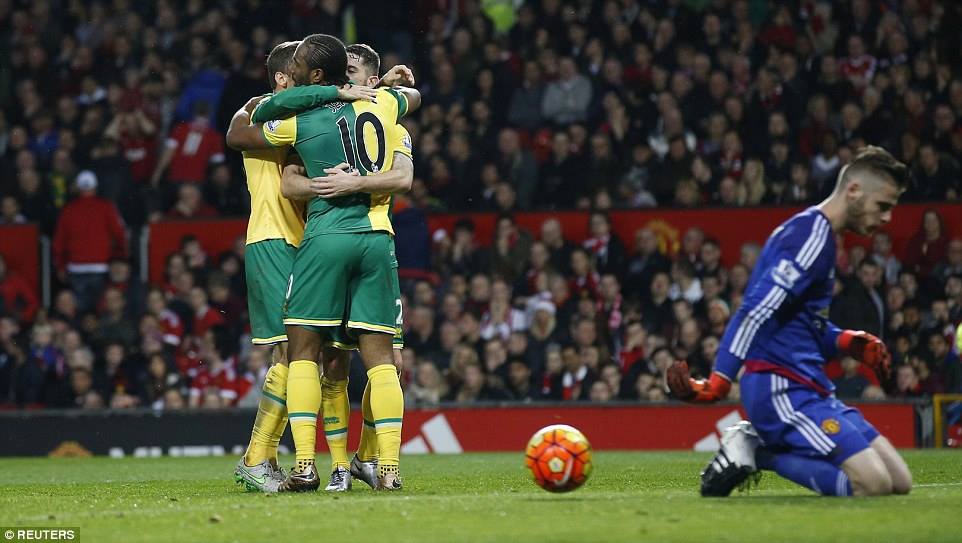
{"x": 936, "y": 485}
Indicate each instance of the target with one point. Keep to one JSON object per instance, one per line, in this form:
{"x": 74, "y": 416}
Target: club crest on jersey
{"x": 335, "y": 106}
{"x": 272, "y": 126}
{"x": 785, "y": 274}
{"x": 831, "y": 426}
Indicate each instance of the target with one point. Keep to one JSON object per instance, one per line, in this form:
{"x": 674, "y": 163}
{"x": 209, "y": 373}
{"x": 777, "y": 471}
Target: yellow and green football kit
{"x": 342, "y": 273}
{"x": 345, "y": 272}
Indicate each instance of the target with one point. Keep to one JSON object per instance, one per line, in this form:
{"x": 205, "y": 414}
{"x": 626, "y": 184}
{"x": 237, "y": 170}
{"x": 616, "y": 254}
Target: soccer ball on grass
{"x": 559, "y": 457}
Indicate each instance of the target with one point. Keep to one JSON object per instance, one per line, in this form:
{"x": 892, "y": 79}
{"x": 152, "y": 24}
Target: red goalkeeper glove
{"x": 683, "y": 387}
{"x": 867, "y": 348}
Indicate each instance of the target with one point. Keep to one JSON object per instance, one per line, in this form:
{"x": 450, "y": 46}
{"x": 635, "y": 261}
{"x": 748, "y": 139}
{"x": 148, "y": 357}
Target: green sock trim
{"x": 301, "y": 415}
{"x": 335, "y": 432}
{"x": 385, "y": 421}
{"x": 368, "y": 423}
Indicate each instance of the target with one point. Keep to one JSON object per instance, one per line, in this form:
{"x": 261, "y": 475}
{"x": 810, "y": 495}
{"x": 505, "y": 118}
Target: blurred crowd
{"x": 531, "y": 317}
{"x": 112, "y": 117}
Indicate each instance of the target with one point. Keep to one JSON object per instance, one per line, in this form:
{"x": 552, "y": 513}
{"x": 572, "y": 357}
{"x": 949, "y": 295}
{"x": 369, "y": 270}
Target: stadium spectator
{"x": 928, "y": 246}
{"x": 603, "y": 245}
{"x": 10, "y": 211}
{"x": 566, "y": 100}
{"x": 614, "y": 106}
{"x": 945, "y": 365}
{"x": 190, "y": 149}
{"x": 190, "y": 205}
{"x": 936, "y": 177}
{"x": 428, "y": 386}
{"x": 205, "y": 316}
{"x": 860, "y": 306}
{"x": 851, "y": 384}
{"x": 517, "y": 166}
{"x": 952, "y": 264}
{"x": 89, "y": 233}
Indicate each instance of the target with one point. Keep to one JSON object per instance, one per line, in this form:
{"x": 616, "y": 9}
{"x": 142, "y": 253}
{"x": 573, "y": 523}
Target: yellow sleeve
{"x": 280, "y": 133}
{"x": 400, "y": 141}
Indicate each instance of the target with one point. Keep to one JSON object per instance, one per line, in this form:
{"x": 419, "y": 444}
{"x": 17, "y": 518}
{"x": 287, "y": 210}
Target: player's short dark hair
{"x": 369, "y": 57}
{"x": 326, "y": 52}
{"x": 877, "y": 161}
{"x": 279, "y": 60}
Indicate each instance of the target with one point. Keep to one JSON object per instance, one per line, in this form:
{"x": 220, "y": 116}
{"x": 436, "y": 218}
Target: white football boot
{"x": 734, "y": 464}
{"x": 340, "y": 480}
{"x": 262, "y": 477}
{"x": 364, "y": 471}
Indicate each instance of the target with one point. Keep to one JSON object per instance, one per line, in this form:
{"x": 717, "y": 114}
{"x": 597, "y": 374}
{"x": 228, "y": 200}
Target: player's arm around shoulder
{"x": 293, "y": 101}
{"x": 241, "y": 134}
{"x": 290, "y": 102}
{"x": 400, "y": 81}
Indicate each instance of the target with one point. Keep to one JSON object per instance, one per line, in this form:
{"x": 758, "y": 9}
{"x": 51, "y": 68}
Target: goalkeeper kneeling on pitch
{"x": 781, "y": 337}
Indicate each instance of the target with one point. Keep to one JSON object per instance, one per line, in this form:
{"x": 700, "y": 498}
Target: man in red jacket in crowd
{"x": 89, "y": 233}
{"x": 16, "y": 296}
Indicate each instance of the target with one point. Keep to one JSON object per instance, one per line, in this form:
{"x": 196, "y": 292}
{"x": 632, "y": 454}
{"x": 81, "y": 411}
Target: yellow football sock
{"x": 336, "y": 408}
{"x": 280, "y": 376}
{"x": 387, "y": 407}
{"x": 271, "y": 417}
{"x": 303, "y": 403}
{"x": 367, "y": 448}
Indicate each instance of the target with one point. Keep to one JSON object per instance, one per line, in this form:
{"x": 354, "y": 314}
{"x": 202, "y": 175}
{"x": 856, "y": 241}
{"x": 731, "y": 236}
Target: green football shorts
{"x": 342, "y": 338}
{"x": 344, "y": 280}
{"x": 267, "y": 267}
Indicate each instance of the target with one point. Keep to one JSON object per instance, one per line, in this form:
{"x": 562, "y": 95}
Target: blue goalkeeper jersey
{"x": 782, "y": 324}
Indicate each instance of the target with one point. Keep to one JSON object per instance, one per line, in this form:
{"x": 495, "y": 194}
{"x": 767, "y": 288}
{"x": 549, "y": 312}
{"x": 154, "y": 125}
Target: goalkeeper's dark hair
{"x": 279, "y": 60}
{"x": 326, "y": 52}
{"x": 876, "y": 161}
{"x": 369, "y": 57}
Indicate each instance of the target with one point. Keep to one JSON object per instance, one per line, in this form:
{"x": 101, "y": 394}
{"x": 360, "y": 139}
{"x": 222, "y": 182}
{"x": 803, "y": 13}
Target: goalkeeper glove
{"x": 867, "y": 348}
{"x": 683, "y": 387}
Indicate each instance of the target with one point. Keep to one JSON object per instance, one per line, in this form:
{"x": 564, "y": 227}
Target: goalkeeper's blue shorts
{"x": 791, "y": 417}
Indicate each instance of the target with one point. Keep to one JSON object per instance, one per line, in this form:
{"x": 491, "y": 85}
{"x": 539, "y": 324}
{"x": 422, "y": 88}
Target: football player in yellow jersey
{"x": 274, "y": 231}
{"x": 281, "y": 133}
{"x": 363, "y": 65}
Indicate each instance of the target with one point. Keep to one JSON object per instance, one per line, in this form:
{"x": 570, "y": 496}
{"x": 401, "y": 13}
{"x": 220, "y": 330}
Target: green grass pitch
{"x": 471, "y": 497}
